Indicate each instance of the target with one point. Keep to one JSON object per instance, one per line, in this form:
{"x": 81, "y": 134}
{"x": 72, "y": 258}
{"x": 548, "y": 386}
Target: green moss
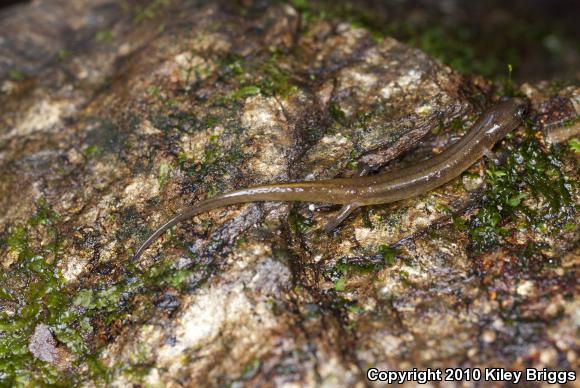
{"x": 36, "y": 289}
{"x": 16, "y": 75}
{"x": 569, "y": 227}
{"x": 245, "y": 91}
{"x": 154, "y": 91}
{"x": 164, "y": 171}
{"x": 103, "y": 36}
{"x": 529, "y": 173}
{"x": 300, "y": 5}
{"x": 85, "y": 299}
{"x": 233, "y": 67}
{"x": 574, "y": 145}
{"x": 97, "y": 370}
{"x": 392, "y": 218}
{"x": 508, "y": 85}
{"x": 91, "y": 151}
{"x": 299, "y": 223}
{"x": 452, "y": 47}
{"x": 64, "y": 54}
{"x": 571, "y": 122}
{"x": 258, "y": 75}
{"x": 442, "y": 208}
{"x": 177, "y": 121}
{"x": 150, "y": 10}
{"x": 104, "y": 138}
{"x": 106, "y": 299}
{"x": 34, "y": 284}
{"x": 459, "y": 223}
{"x": 212, "y": 151}
{"x": 17, "y": 240}
{"x": 345, "y": 268}
{"x": 337, "y": 113}
{"x": 389, "y": 254}
{"x": 340, "y": 284}
{"x": 163, "y": 275}
{"x": 44, "y": 214}
{"x": 275, "y": 80}
{"x": 251, "y": 369}
{"x": 218, "y": 156}
{"x": 404, "y": 278}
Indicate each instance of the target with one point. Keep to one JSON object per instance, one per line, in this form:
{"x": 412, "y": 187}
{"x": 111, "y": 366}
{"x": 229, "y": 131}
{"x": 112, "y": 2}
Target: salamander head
{"x": 506, "y": 116}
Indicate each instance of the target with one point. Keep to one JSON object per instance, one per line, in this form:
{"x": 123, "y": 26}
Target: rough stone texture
{"x": 42, "y": 344}
{"x": 157, "y": 105}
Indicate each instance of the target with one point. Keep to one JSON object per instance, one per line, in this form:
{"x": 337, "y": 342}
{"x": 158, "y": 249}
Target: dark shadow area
{"x": 539, "y": 38}
{"x": 8, "y": 3}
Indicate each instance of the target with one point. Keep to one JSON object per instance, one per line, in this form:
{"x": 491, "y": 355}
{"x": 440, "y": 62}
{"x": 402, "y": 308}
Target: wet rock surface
{"x": 158, "y": 105}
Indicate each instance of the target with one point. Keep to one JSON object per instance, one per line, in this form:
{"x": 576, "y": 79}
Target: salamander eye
{"x": 521, "y": 112}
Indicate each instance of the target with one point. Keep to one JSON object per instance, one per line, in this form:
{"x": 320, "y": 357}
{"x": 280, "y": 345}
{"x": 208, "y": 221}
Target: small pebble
{"x": 549, "y": 357}
{"x": 488, "y": 336}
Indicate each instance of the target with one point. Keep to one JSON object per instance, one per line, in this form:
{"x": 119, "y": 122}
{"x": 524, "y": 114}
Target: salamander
{"x": 492, "y": 126}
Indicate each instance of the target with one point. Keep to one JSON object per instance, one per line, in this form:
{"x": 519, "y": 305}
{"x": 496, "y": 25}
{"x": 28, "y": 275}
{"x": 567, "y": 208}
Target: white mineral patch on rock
{"x": 270, "y": 279}
{"x": 324, "y": 155}
{"x": 43, "y": 345}
{"x": 424, "y": 110}
{"x": 147, "y": 128}
{"x": 337, "y": 139}
{"x": 573, "y": 311}
{"x": 140, "y": 190}
{"x": 411, "y": 78}
{"x": 363, "y": 81}
{"x": 390, "y": 344}
{"x": 43, "y": 116}
{"x": 333, "y": 372}
{"x": 72, "y": 267}
{"x": 324, "y": 93}
{"x": 390, "y": 286}
{"x": 261, "y": 113}
{"x": 237, "y": 307}
{"x": 472, "y": 183}
{"x": 103, "y": 174}
{"x": 108, "y": 252}
{"x": 405, "y": 83}
{"x": 7, "y": 87}
{"x": 267, "y": 127}
{"x": 211, "y": 41}
{"x": 351, "y": 35}
{"x": 381, "y": 234}
{"x": 526, "y": 288}
{"x": 387, "y": 91}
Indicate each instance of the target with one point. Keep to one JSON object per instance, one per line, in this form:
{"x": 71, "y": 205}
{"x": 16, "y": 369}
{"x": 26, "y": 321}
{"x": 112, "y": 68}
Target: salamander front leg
{"x": 492, "y": 156}
{"x": 342, "y": 214}
{"x": 363, "y": 168}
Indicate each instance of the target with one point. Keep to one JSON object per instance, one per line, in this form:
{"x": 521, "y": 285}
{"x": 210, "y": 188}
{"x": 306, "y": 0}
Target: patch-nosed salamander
{"x": 392, "y": 186}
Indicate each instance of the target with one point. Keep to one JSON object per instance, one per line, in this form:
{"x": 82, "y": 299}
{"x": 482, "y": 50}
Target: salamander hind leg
{"x": 342, "y": 214}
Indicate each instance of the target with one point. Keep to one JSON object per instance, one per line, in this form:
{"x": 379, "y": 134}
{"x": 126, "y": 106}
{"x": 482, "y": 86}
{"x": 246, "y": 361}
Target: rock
{"x": 42, "y": 344}
{"x": 488, "y": 336}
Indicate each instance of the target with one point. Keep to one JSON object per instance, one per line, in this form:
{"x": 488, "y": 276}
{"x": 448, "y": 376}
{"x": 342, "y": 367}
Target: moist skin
{"x": 490, "y": 127}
